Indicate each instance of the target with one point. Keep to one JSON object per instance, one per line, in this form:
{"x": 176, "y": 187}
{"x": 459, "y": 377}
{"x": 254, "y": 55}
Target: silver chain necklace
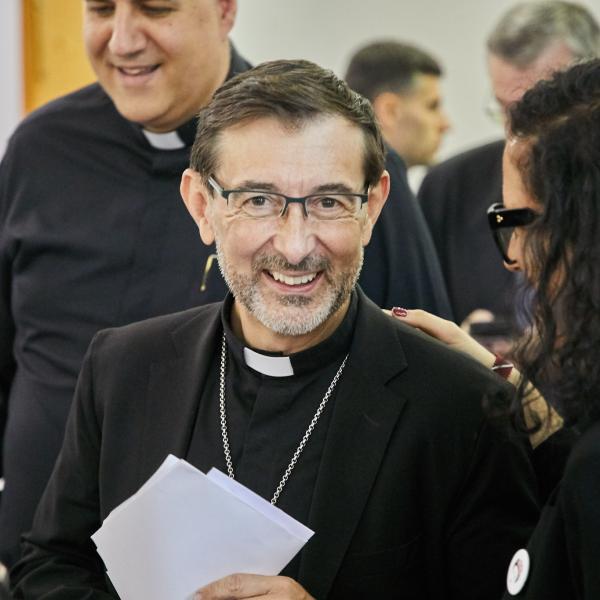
{"x": 303, "y": 441}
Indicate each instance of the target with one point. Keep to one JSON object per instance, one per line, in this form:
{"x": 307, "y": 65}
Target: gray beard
{"x": 294, "y": 315}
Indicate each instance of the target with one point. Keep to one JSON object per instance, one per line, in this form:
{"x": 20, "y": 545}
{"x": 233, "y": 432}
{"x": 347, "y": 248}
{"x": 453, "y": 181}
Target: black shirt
{"x": 268, "y": 416}
{"x": 93, "y": 234}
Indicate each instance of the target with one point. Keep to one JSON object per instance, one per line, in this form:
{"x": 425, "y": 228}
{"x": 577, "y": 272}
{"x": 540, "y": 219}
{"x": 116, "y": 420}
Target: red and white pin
{"x": 518, "y": 571}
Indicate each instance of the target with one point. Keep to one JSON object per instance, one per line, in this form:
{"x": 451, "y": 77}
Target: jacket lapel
{"x": 174, "y": 389}
{"x": 364, "y": 417}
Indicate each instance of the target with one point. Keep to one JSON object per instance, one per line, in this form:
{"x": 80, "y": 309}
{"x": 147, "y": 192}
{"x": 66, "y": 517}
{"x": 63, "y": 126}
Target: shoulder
{"x": 426, "y": 368}
{"x": 84, "y": 112}
{"x": 91, "y": 97}
{"x": 467, "y": 163}
{"x": 152, "y": 339}
{"x": 448, "y": 378}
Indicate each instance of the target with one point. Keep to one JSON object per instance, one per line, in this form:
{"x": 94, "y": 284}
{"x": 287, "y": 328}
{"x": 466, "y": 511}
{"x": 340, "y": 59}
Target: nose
{"x": 294, "y": 238}
{"x": 444, "y": 122}
{"x": 512, "y": 251}
{"x": 127, "y": 35}
{"x": 514, "y": 267}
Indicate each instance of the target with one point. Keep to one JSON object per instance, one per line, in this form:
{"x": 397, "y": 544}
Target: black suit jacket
{"x": 454, "y": 197}
{"x": 417, "y": 495}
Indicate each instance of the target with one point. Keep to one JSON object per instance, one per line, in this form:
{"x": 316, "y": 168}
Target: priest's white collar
{"x": 274, "y": 366}
{"x": 164, "y": 141}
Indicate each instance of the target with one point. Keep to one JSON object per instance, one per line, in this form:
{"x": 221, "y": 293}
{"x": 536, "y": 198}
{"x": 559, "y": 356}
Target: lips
{"x": 137, "y": 71}
{"x": 291, "y": 279}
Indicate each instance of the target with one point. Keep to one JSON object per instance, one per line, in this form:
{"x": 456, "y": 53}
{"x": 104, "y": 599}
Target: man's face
{"x": 415, "y": 122}
{"x": 509, "y": 82}
{"x": 159, "y": 60}
{"x": 289, "y": 274}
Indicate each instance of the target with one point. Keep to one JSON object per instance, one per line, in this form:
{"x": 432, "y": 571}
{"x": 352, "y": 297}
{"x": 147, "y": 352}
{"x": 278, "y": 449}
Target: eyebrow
{"x": 141, "y": 2}
{"x": 332, "y": 188}
{"x": 135, "y": 1}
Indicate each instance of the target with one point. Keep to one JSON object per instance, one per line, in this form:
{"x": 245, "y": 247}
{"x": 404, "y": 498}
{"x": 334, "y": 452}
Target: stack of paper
{"x": 184, "y": 529}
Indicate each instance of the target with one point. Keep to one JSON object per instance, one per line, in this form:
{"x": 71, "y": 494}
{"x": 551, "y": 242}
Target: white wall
{"x": 10, "y": 68}
{"x": 327, "y": 32}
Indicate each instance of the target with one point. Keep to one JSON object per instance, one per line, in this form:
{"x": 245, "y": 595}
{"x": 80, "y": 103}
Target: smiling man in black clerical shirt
{"x": 296, "y": 385}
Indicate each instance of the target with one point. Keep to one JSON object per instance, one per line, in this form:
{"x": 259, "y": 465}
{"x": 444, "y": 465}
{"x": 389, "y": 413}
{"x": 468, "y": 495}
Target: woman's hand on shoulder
{"x": 445, "y": 331}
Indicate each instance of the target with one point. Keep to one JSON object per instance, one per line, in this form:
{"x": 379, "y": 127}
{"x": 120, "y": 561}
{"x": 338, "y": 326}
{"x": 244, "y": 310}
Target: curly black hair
{"x": 558, "y": 123}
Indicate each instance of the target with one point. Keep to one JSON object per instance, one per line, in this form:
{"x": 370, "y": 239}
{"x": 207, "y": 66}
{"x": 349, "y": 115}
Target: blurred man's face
{"x": 509, "y": 82}
{"x": 413, "y": 123}
{"x": 159, "y": 60}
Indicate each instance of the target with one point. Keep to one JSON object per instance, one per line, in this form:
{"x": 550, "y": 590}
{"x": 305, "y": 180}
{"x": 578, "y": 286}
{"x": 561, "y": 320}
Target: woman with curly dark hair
{"x": 549, "y": 228}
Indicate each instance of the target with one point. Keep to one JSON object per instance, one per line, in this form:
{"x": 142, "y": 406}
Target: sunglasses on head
{"x": 502, "y": 222}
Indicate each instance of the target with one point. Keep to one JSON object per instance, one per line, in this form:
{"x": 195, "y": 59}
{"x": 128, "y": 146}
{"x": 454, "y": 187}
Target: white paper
{"x": 184, "y": 529}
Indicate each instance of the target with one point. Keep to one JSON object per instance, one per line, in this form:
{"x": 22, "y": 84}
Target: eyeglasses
{"x": 260, "y": 204}
{"x": 494, "y": 110}
{"x": 502, "y": 222}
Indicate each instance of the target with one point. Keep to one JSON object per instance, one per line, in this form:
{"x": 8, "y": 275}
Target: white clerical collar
{"x": 275, "y": 366}
{"x": 164, "y": 141}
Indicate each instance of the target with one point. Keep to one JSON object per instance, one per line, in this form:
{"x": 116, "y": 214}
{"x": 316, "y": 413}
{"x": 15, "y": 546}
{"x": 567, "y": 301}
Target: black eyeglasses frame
{"x": 364, "y": 197}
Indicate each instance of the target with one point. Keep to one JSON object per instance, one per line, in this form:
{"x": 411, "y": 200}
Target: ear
{"x": 227, "y": 14}
{"x": 386, "y": 106}
{"x": 196, "y": 199}
{"x": 377, "y": 196}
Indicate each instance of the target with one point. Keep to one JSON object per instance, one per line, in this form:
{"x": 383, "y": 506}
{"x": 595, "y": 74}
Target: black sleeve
{"x": 59, "y": 559}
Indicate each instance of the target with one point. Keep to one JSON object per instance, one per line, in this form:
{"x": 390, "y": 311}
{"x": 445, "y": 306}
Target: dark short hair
{"x": 558, "y": 122}
{"x": 388, "y": 66}
{"x": 527, "y": 29}
{"x": 294, "y": 92}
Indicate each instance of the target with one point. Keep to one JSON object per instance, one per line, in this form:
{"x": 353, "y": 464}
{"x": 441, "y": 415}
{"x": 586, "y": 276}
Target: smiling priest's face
{"x": 159, "y": 60}
{"x": 291, "y": 274}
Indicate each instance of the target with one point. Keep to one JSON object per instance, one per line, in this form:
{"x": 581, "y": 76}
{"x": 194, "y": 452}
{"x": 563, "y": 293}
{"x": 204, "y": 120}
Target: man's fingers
{"x": 445, "y": 331}
{"x": 232, "y": 587}
{"x": 242, "y": 585}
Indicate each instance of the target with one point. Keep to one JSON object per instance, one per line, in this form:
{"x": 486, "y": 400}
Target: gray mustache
{"x": 278, "y": 263}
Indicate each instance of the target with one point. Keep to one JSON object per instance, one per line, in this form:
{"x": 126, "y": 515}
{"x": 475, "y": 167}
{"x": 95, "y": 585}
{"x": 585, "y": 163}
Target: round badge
{"x": 518, "y": 571}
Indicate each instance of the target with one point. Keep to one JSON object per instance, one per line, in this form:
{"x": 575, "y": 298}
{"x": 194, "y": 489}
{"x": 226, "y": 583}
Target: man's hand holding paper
{"x": 241, "y": 585}
{"x": 184, "y": 529}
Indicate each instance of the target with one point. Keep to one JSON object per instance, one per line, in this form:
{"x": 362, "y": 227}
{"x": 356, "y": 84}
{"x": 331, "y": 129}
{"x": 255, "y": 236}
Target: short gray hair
{"x": 529, "y": 28}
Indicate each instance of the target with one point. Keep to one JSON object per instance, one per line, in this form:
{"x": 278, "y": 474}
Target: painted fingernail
{"x": 399, "y": 312}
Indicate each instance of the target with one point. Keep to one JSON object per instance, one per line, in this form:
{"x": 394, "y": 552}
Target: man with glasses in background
{"x": 297, "y": 385}
{"x": 530, "y": 41}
